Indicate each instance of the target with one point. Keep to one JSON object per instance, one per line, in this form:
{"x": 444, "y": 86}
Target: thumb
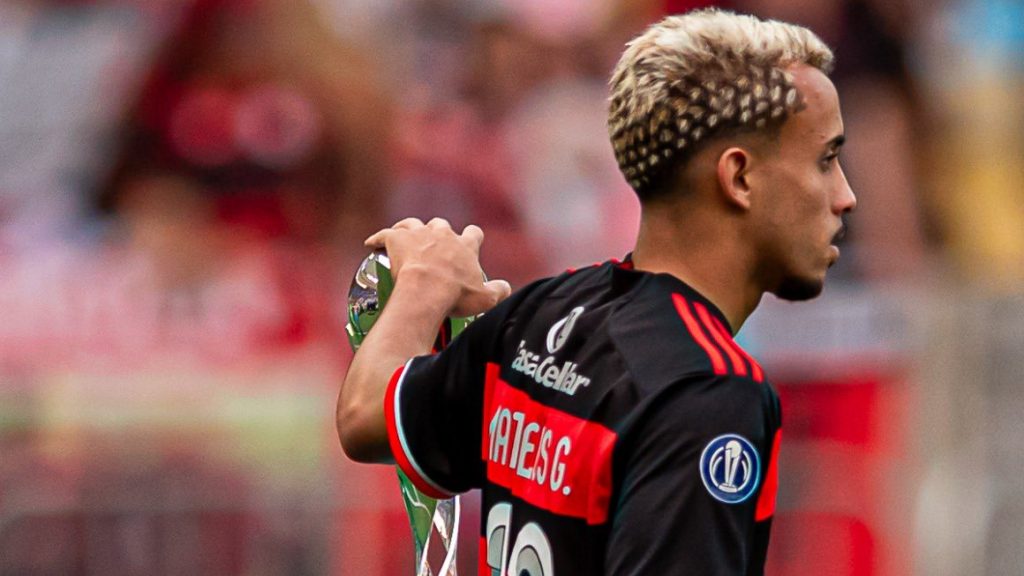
{"x": 500, "y": 289}
{"x": 482, "y": 299}
{"x": 377, "y": 239}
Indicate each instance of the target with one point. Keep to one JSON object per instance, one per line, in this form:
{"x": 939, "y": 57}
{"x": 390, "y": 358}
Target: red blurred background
{"x": 184, "y": 190}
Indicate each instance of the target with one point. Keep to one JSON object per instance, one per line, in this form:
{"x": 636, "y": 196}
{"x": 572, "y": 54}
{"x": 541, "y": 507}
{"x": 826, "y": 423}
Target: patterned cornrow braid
{"x": 691, "y": 113}
{"x": 706, "y": 73}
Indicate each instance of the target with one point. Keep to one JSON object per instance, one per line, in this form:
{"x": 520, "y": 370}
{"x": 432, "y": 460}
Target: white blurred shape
{"x": 573, "y": 198}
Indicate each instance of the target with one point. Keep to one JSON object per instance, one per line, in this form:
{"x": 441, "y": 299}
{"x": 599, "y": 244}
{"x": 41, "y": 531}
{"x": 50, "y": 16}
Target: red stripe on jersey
{"x": 770, "y": 488}
{"x": 717, "y": 362}
{"x": 724, "y": 340}
{"x": 551, "y": 459}
{"x": 401, "y": 458}
{"x": 491, "y": 377}
{"x": 481, "y": 559}
{"x": 756, "y": 373}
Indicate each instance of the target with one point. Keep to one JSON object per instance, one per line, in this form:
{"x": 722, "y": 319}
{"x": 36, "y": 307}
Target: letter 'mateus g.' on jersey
{"x": 612, "y": 423}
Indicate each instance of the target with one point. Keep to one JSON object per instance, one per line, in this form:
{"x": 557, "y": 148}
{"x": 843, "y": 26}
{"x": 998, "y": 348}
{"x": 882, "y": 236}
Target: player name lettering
{"x": 529, "y": 449}
{"x": 545, "y": 372}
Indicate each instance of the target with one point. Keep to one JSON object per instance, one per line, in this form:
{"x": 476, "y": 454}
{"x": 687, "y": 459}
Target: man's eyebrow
{"x": 836, "y": 142}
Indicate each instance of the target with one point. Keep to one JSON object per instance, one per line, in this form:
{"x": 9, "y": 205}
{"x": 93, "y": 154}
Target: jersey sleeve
{"x": 433, "y": 412}
{"x": 693, "y": 476}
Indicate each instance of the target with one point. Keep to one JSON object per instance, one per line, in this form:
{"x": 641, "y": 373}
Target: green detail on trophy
{"x": 370, "y": 290}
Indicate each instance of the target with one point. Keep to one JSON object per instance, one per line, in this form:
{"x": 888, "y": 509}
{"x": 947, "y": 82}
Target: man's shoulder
{"x": 669, "y": 334}
{"x": 548, "y": 295}
{"x": 664, "y": 331}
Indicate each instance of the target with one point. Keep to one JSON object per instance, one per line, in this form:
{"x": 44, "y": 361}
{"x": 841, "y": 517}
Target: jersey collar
{"x": 626, "y": 277}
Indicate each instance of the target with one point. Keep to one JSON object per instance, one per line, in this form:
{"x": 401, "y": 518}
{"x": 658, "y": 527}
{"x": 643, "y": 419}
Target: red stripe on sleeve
{"x": 481, "y": 561}
{"x": 717, "y": 361}
{"x": 770, "y": 488}
{"x": 724, "y": 340}
{"x": 755, "y": 369}
{"x": 394, "y": 440}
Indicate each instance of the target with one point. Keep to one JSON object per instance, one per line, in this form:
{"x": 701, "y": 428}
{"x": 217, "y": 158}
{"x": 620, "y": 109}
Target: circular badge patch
{"x": 730, "y": 468}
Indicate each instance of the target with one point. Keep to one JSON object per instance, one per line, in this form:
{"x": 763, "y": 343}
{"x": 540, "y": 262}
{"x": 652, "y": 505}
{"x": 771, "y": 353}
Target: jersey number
{"x": 531, "y": 553}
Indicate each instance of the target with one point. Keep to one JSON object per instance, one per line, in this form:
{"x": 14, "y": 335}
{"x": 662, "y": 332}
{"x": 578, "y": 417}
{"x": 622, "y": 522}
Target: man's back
{"x": 606, "y": 396}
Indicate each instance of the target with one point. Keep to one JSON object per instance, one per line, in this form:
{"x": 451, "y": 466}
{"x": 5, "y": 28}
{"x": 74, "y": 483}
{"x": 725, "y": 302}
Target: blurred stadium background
{"x": 185, "y": 184}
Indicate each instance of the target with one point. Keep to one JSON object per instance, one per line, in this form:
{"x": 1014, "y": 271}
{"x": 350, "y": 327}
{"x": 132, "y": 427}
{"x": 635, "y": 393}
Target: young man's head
{"x": 739, "y": 110}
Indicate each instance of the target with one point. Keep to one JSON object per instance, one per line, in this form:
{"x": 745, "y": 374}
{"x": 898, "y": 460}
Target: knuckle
{"x": 439, "y": 223}
{"x": 409, "y": 222}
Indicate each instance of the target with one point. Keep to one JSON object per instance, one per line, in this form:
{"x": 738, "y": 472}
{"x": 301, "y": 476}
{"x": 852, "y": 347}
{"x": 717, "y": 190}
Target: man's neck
{"x": 707, "y": 257}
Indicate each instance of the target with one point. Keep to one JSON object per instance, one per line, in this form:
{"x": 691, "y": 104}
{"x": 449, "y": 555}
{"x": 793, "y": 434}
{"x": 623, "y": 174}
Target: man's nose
{"x": 847, "y": 200}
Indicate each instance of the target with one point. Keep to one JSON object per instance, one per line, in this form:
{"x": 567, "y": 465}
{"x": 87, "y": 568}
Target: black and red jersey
{"x": 612, "y": 424}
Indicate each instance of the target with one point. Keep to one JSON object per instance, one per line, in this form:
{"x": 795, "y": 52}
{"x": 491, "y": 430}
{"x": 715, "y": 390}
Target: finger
{"x": 438, "y": 223}
{"x": 377, "y": 239}
{"x": 500, "y": 289}
{"x": 483, "y": 299}
{"x": 474, "y": 233}
{"x": 409, "y": 223}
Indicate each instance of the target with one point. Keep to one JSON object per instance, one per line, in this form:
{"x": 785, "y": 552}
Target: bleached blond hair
{"x": 703, "y": 74}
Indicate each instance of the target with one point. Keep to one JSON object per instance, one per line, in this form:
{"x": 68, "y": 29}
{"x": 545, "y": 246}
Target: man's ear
{"x": 733, "y": 177}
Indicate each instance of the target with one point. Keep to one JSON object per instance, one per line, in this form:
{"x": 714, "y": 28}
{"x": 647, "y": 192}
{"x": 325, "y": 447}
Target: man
{"x": 611, "y": 421}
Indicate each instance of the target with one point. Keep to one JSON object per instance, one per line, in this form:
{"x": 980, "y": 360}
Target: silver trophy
{"x": 431, "y": 520}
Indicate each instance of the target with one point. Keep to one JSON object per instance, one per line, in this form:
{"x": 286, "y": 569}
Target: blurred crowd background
{"x": 184, "y": 190}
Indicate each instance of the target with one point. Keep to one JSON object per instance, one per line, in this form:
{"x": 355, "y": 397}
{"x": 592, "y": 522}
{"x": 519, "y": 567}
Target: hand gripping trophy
{"x": 431, "y": 520}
